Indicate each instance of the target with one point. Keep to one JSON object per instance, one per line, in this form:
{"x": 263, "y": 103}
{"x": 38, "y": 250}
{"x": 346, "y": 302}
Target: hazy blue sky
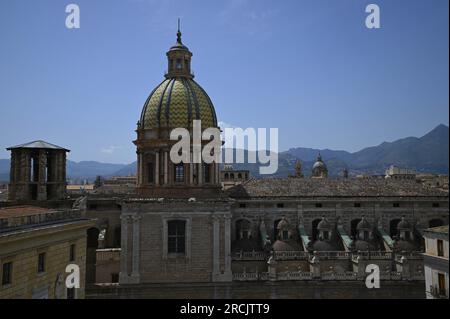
{"x": 310, "y": 68}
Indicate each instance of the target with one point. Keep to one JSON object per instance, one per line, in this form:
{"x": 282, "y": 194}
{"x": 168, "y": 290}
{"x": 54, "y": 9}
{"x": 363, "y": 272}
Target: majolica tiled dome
{"x": 176, "y": 102}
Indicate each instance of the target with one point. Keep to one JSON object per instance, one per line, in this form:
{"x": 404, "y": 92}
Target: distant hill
{"x": 429, "y": 153}
{"x": 4, "y": 170}
{"x": 89, "y": 169}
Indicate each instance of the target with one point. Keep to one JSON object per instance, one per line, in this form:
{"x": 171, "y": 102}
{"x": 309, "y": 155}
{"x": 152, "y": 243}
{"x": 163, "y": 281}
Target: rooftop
{"x": 439, "y": 230}
{"x": 303, "y": 187}
{"x": 20, "y": 211}
{"x": 38, "y": 144}
{"x": 26, "y": 217}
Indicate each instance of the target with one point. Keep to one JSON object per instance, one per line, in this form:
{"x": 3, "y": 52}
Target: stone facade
{"x": 436, "y": 262}
{"x": 29, "y": 235}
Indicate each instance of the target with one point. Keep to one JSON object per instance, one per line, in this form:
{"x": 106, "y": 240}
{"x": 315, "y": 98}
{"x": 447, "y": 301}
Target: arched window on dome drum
{"x": 178, "y": 65}
{"x": 207, "y": 173}
{"x": 179, "y": 173}
{"x": 150, "y": 173}
{"x": 176, "y": 237}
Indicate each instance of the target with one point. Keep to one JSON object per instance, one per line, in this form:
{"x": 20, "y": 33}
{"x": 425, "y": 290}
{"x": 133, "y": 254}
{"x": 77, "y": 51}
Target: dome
{"x": 319, "y": 168}
{"x": 363, "y": 225}
{"x": 290, "y": 245}
{"x": 404, "y": 225}
{"x": 176, "y": 102}
{"x": 324, "y": 224}
{"x": 283, "y": 224}
{"x": 319, "y": 165}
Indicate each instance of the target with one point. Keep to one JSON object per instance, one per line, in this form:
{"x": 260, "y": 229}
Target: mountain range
{"x": 429, "y": 153}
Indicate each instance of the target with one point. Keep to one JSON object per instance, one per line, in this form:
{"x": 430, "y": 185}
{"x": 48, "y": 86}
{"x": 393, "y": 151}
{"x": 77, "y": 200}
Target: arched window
{"x": 207, "y": 173}
{"x": 393, "y": 227}
{"x": 239, "y": 175}
{"x": 176, "y": 237}
{"x": 275, "y": 229}
{"x": 179, "y": 65}
{"x": 353, "y": 224}
{"x": 365, "y": 235}
{"x": 243, "y": 229}
{"x": 232, "y": 176}
{"x": 179, "y": 173}
{"x": 226, "y": 176}
{"x": 285, "y": 235}
{"x": 314, "y": 228}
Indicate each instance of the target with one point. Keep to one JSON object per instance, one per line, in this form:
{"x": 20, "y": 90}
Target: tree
{"x": 98, "y": 181}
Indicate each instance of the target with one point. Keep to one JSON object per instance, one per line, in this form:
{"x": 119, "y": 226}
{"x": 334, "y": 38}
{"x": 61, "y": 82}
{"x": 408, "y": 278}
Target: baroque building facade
{"x": 179, "y": 234}
{"x": 180, "y": 228}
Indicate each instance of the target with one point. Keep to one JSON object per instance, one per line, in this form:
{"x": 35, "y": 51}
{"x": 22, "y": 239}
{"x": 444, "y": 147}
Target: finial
{"x": 179, "y": 32}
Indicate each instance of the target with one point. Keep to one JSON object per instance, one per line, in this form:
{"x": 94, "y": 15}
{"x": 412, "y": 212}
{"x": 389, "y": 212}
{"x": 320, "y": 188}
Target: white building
{"x": 436, "y": 262}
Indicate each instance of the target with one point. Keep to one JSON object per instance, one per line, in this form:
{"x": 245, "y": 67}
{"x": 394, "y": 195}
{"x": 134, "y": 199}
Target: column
{"x": 12, "y": 170}
{"x": 191, "y": 170}
{"x": 141, "y": 168}
{"x": 124, "y": 249}
{"x": 216, "y": 247}
{"x": 157, "y": 168}
{"x": 200, "y": 173}
{"x": 136, "y": 248}
{"x": 138, "y": 175}
{"x": 228, "y": 274}
{"x": 217, "y": 173}
{"x": 166, "y": 162}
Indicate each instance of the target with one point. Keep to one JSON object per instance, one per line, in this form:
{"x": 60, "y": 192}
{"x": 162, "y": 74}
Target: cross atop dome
{"x": 179, "y": 59}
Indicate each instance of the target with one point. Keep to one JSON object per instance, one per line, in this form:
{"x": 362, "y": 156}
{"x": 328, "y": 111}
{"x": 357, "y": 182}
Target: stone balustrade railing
{"x": 108, "y": 254}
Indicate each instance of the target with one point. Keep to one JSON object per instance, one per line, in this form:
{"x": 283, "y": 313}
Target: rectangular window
{"x": 435, "y": 205}
{"x": 280, "y": 205}
{"x": 114, "y": 277}
{"x": 7, "y": 274}
{"x": 150, "y": 173}
{"x": 318, "y": 205}
{"x": 357, "y": 205}
{"x": 41, "y": 262}
{"x": 179, "y": 173}
{"x": 440, "y": 248}
{"x": 396, "y": 205}
{"x": 72, "y": 253}
{"x": 176, "y": 240}
{"x": 70, "y": 293}
{"x": 206, "y": 173}
{"x": 441, "y": 281}
{"x": 242, "y": 205}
